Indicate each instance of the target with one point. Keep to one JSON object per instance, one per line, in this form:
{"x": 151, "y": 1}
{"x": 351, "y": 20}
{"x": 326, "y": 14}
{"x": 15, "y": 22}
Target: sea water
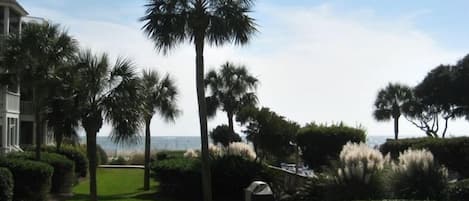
{"x": 180, "y": 143}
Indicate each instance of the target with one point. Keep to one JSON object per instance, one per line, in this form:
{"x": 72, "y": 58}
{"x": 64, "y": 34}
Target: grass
{"x": 118, "y": 184}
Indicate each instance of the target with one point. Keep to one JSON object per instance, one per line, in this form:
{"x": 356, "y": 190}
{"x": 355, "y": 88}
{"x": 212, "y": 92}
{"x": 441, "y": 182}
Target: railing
{"x": 13, "y": 102}
{"x": 26, "y": 107}
{"x": 287, "y": 181}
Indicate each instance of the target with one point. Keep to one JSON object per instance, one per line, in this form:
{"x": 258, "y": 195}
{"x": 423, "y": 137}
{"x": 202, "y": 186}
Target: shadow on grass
{"x": 142, "y": 196}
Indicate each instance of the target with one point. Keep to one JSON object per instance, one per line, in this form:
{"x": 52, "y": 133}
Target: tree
{"x": 391, "y": 102}
{"x": 107, "y": 92}
{"x": 159, "y": 95}
{"x": 270, "y": 133}
{"x": 231, "y": 89}
{"x": 169, "y": 23}
{"x": 62, "y": 114}
{"x": 224, "y": 135}
{"x": 33, "y": 57}
{"x": 434, "y": 98}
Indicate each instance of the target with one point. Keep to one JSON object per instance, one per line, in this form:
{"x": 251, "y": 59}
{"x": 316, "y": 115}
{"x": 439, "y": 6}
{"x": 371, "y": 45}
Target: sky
{"x": 321, "y": 61}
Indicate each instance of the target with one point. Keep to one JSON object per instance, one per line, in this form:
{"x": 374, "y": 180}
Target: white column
{"x": 6, "y": 20}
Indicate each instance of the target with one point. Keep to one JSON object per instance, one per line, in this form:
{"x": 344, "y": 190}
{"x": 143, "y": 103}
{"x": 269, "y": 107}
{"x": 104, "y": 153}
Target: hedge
{"x": 450, "y": 152}
{"x": 73, "y": 153}
{"x": 321, "y": 144}
{"x": 64, "y": 171}
{"x": 181, "y": 177}
{"x": 6, "y": 184}
{"x": 32, "y": 179}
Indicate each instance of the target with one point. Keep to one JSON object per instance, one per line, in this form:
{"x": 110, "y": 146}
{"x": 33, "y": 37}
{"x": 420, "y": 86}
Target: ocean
{"x": 180, "y": 143}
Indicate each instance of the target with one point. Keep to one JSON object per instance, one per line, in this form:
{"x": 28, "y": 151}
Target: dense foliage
{"x": 451, "y": 152}
{"x": 6, "y": 184}
{"x": 223, "y": 135}
{"x": 63, "y": 176}
{"x": 231, "y": 174}
{"x": 271, "y": 134}
{"x": 76, "y": 154}
{"x": 321, "y": 144}
{"x": 32, "y": 180}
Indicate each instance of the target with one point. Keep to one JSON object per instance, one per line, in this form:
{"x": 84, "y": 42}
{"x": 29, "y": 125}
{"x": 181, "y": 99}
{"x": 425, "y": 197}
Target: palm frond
{"x": 166, "y": 23}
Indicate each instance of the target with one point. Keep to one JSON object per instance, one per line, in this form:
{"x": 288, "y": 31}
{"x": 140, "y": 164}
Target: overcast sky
{"x": 321, "y": 61}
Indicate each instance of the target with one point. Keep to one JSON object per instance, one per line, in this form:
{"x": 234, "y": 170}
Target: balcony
{"x": 12, "y": 102}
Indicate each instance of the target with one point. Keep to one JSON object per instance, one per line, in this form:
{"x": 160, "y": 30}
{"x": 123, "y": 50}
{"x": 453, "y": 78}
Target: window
{"x": 12, "y": 137}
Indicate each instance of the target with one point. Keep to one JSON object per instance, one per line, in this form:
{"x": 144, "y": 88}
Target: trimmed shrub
{"x": 322, "y": 144}
{"x": 165, "y": 155}
{"x": 416, "y": 176}
{"x": 32, "y": 180}
{"x": 181, "y": 177}
{"x": 6, "y": 184}
{"x": 119, "y": 161}
{"x": 453, "y": 153}
{"x": 76, "y": 154}
{"x": 63, "y": 176}
{"x": 459, "y": 191}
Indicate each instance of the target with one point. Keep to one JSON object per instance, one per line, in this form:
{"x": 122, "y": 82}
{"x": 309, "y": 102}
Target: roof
{"x": 15, "y": 5}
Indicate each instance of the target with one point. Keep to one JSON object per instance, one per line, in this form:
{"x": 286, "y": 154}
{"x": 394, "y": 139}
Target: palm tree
{"x": 169, "y": 23}
{"x": 107, "y": 92}
{"x": 231, "y": 90}
{"x": 33, "y": 57}
{"x": 391, "y": 102}
{"x": 159, "y": 95}
{"x": 62, "y": 114}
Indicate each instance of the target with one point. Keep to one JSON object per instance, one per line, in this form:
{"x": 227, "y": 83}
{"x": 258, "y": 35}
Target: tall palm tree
{"x": 391, "y": 102}
{"x": 33, "y": 57}
{"x": 169, "y": 23}
{"x": 107, "y": 93}
{"x": 62, "y": 114}
{"x": 159, "y": 95}
{"x": 231, "y": 89}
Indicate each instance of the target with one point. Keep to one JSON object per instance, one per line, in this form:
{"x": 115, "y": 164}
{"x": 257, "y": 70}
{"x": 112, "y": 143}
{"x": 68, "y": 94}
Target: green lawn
{"x": 118, "y": 184}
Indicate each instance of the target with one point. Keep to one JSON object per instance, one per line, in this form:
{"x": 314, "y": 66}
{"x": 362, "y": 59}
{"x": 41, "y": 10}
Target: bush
{"x": 6, "y": 184}
{"x": 165, "y": 155}
{"x": 119, "y": 161}
{"x": 230, "y": 175}
{"x": 453, "y": 153}
{"x": 137, "y": 159}
{"x": 321, "y": 144}
{"x": 32, "y": 179}
{"x": 459, "y": 191}
{"x": 416, "y": 176}
{"x": 222, "y": 135}
{"x": 76, "y": 154}
{"x": 360, "y": 173}
{"x": 63, "y": 176}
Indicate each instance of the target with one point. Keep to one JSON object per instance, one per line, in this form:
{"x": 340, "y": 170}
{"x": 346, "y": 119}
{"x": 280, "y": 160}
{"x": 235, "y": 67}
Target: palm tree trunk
{"x": 230, "y": 122}
{"x": 91, "y": 151}
{"x": 38, "y": 126}
{"x": 146, "y": 177}
{"x": 206, "y": 175}
{"x": 396, "y": 128}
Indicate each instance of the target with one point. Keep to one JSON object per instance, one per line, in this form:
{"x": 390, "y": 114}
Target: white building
{"x": 16, "y": 111}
